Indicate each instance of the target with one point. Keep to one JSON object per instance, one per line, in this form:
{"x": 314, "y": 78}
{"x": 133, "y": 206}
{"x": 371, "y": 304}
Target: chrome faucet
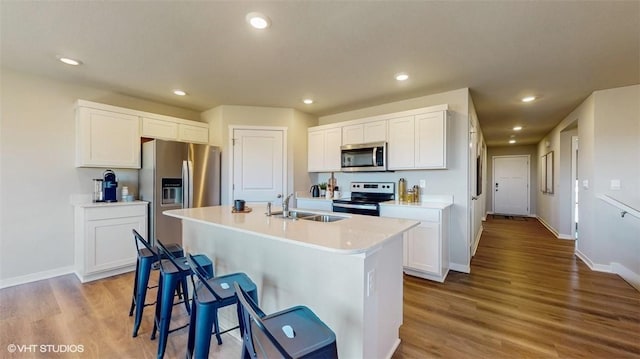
{"x": 285, "y": 205}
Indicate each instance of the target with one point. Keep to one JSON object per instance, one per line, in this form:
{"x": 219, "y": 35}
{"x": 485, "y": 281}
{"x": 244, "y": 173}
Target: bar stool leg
{"x": 135, "y": 289}
{"x": 141, "y": 291}
{"x": 192, "y": 329}
{"x": 166, "y": 306}
{"x": 204, "y": 325}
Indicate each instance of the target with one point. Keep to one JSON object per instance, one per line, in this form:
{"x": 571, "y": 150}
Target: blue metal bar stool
{"x": 210, "y": 294}
{"x": 173, "y": 273}
{"x": 291, "y": 333}
{"x": 147, "y": 257}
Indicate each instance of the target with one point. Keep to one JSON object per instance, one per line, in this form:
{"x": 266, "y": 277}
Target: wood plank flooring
{"x": 527, "y": 296}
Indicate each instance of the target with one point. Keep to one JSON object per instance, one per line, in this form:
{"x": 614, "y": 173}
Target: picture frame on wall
{"x": 549, "y": 173}
{"x": 546, "y": 173}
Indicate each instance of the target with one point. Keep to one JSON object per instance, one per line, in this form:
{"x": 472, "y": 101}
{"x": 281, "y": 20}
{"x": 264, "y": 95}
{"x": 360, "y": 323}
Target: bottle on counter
{"x": 402, "y": 190}
{"x": 416, "y": 193}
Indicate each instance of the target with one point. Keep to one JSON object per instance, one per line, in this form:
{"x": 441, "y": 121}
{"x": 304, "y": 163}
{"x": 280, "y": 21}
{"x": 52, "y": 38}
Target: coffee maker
{"x": 109, "y": 186}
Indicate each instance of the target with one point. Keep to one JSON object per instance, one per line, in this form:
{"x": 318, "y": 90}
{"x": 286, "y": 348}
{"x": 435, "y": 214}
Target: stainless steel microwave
{"x": 364, "y": 157}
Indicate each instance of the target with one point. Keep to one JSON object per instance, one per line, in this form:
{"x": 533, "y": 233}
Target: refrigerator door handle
{"x": 187, "y": 191}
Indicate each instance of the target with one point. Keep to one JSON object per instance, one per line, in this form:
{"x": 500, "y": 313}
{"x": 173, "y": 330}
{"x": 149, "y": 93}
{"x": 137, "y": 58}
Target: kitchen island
{"x": 349, "y": 272}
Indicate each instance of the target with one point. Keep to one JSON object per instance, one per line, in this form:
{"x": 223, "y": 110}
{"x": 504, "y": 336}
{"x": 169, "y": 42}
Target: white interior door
{"x": 259, "y": 170}
{"x": 511, "y": 185}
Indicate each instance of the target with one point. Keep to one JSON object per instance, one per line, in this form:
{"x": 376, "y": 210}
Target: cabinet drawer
{"x": 97, "y": 213}
{"x": 415, "y": 213}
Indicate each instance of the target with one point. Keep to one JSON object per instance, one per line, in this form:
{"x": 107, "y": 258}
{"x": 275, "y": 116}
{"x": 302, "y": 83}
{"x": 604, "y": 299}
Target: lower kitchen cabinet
{"x": 103, "y": 238}
{"x": 426, "y": 247}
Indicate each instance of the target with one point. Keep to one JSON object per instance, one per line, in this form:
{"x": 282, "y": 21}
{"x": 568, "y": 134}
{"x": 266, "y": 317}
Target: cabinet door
{"x": 315, "y": 151}
{"x": 375, "y": 131}
{"x": 423, "y": 248}
{"x": 193, "y": 133}
{"x": 353, "y": 134}
{"x": 107, "y": 139}
{"x": 109, "y": 243}
{"x": 332, "y": 143}
{"x": 401, "y": 149}
{"x": 430, "y": 140}
{"x": 154, "y": 128}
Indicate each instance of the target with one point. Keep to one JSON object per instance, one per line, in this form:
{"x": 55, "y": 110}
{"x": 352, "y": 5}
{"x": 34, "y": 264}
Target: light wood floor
{"x": 527, "y": 296}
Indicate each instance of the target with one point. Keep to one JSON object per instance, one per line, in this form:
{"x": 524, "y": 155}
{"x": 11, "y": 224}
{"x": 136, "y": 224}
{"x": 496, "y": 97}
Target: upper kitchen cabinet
{"x": 324, "y": 149}
{"x": 175, "y": 129}
{"x": 106, "y": 137}
{"x": 418, "y": 141}
{"x": 373, "y": 131}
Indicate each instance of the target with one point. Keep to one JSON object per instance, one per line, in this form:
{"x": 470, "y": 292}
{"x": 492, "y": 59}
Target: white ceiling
{"x": 342, "y": 54}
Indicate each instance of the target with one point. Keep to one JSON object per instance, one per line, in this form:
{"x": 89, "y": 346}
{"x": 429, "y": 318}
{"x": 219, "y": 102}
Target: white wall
{"x": 609, "y": 134}
{"x": 222, "y": 117}
{"x": 37, "y": 173}
{"x": 452, "y": 181}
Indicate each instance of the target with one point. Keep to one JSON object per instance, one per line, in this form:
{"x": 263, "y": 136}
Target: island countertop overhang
{"x": 353, "y": 235}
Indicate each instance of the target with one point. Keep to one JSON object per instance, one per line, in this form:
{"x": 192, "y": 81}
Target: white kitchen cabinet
{"x": 323, "y": 154}
{"x": 431, "y": 140}
{"x": 160, "y": 129}
{"x": 194, "y": 132}
{"x": 106, "y": 138}
{"x": 374, "y": 131}
{"x": 418, "y": 142}
{"x": 401, "y": 146}
{"x": 104, "y": 243}
{"x": 175, "y": 129}
{"x": 426, "y": 247}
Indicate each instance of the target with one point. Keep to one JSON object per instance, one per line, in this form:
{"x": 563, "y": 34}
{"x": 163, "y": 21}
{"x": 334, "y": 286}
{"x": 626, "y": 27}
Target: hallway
{"x": 527, "y": 296}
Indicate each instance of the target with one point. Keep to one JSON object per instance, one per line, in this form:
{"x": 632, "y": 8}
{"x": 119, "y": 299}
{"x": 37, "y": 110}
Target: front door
{"x": 511, "y": 185}
{"x": 259, "y": 170}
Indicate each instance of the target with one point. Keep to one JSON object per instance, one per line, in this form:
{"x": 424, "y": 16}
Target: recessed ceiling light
{"x": 308, "y": 101}
{"x": 179, "y": 92}
{"x": 258, "y": 20}
{"x": 402, "y": 76}
{"x": 528, "y": 98}
{"x": 512, "y": 141}
{"x": 70, "y": 61}
{"x": 517, "y": 128}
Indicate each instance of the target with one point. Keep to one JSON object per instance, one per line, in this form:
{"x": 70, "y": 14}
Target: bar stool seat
{"x": 146, "y": 259}
{"x": 210, "y": 295}
{"x": 291, "y": 333}
{"x": 173, "y": 273}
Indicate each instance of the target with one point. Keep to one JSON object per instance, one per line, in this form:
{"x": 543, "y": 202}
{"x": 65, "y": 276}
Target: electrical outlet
{"x": 371, "y": 280}
{"x": 423, "y": 183}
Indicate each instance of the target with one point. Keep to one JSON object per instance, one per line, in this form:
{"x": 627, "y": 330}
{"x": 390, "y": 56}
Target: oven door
{"x": 369, "y": 209}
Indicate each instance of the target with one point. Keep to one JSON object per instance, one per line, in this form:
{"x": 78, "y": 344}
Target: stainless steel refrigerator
{"x": 177, "y": 175}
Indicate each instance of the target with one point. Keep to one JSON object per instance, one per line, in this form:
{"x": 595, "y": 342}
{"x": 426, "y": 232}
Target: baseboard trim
{"x": 101, "y": 275}
{"x": 593, "y": 266}
{"x": 565, "y": 236}
{"x": 393, "y": 349}
{"x": 548, "y": 226}
{"x": 34, "y": 277}
{"x": 477, "y": 241}
{"x": 627, "y": 274}
{"x": 464, "y": 268}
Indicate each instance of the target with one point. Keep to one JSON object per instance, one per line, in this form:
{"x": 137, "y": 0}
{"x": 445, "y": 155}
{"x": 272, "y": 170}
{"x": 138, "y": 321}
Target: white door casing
{"x": 511, "y": 185}
{"x": 259, "y": 163}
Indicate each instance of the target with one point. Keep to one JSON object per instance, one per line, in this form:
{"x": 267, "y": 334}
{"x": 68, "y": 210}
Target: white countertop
{"x": 352, "y": 235}
{"x": 109, "y": 204}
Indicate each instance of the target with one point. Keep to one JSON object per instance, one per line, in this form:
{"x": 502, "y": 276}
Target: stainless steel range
{"x": 365, "y": 198}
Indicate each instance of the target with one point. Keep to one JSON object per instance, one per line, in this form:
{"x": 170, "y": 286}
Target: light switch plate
{"x": 423, "y": 183}
{"x": 585, "y": 184}
{"x": 615, "y": 184}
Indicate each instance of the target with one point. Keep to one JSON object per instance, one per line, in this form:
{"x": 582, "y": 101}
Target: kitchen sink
{"x": 323, "y": 218}
{"x": 310, "y": 216}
